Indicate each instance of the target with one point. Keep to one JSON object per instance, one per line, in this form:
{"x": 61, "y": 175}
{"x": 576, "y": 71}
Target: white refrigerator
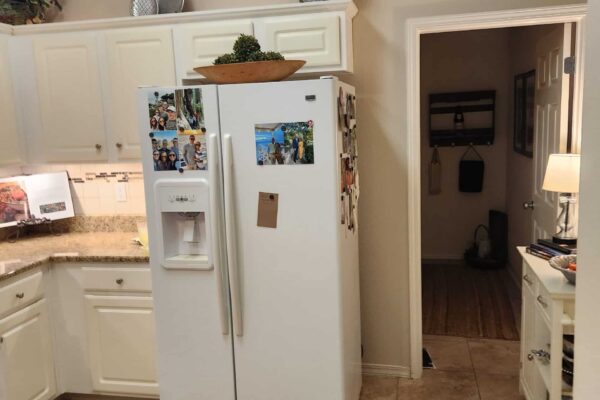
{"x": 251, "y": 197}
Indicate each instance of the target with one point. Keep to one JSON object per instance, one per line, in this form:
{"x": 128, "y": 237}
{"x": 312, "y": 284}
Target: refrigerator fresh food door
{"x": 187, "y": 253}
{"x": 282, "y": 227}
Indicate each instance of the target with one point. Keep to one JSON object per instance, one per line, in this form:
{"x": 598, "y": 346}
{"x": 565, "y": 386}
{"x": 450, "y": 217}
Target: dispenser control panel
{"x": 182, "y": 198}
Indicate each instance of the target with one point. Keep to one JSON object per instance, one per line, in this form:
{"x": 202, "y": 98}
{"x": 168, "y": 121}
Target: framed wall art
{"x": 524, "y": 113}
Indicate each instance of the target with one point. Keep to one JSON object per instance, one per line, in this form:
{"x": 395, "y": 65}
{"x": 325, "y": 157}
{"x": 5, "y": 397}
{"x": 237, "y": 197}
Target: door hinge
{"x": 569, "y": 67}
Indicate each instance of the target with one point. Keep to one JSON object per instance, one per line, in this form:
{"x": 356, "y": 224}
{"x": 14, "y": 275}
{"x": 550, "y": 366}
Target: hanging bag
{"x": 435, "y": 173}
{"x": 470, "y": 172}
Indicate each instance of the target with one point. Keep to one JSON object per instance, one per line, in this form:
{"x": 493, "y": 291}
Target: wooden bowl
{"x": 250, "y": 72}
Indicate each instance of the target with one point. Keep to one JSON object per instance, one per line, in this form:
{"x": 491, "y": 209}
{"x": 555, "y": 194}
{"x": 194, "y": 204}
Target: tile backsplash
{"x": 97, "y": 189}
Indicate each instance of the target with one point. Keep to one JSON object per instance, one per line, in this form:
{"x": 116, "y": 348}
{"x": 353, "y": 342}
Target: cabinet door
{"x": 199, "y": 44}
{"x": 122, "y": 344}
{"x": 9, "y": 151}
{"x": 70, "y": 97}
{"x": 315, "y": 39}
{"x": 26, "y": 353}
{"x": 136, "y": 57}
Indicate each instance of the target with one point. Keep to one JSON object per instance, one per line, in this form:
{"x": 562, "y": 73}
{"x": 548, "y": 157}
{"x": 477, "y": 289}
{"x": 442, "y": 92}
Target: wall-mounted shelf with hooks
{"x": 462, "y": 118}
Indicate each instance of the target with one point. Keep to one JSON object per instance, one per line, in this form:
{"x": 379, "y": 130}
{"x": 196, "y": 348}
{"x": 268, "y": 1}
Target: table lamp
{"x": 562, "y": 176}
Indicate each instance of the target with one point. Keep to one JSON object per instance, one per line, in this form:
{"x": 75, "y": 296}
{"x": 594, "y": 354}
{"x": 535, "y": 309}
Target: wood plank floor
{"x": 462, "y": 301}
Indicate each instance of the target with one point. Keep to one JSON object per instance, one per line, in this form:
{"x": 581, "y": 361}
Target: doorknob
{"x": 529, "y": 205}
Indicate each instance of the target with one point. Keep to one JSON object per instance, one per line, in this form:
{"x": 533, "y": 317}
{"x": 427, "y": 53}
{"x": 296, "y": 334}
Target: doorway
{"x": 416, "y": 29}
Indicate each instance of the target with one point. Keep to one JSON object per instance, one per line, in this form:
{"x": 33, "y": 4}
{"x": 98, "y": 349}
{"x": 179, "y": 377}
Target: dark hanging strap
{"x": 471, "y": 147}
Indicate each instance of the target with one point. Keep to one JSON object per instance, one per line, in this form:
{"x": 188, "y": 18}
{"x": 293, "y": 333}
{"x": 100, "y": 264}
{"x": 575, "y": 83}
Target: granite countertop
{"x": 31, "y": 252}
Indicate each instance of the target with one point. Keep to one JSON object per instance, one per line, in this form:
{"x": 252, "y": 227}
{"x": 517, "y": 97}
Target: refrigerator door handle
{"x": 231, "y": 237}
{"x": 216, "y": 223}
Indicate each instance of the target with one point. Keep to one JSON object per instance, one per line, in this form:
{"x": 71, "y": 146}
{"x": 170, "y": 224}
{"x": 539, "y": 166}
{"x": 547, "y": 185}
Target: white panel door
{"x": 122, "y": 344}
{"x": 199, "y": 44}
{"x": 9, "y": 151}
{"x": 70, "y": 97}
{"x": 136, "y": 57}
{"x": 551, "y": 122}
{"x": 26, "y": 353}
{"x": 285, "y": 284}
{"x": 314, "y": 38}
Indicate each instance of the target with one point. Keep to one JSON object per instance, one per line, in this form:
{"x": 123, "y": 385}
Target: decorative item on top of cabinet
{"x": 170, "y": 6}
{"x": 144, "y": 7}
{"x": 248, "y": 63}
{"x": 27, "y": 11}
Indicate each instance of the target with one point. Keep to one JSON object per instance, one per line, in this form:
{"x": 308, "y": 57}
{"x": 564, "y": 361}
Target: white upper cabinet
{"x": 199, "y": 44}
{"x": 314, "y": 38}
{"x": 9, "y": 150}
{"x": 135, "y": 57}
{"x": 26, "y": 351}
{"x": 70, "y": 97}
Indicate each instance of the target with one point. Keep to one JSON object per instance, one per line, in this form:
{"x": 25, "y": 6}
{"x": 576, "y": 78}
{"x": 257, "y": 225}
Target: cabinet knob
{"x": 527, "y": 279}
{"x": 119, "y": 145}
{"x": 530, "y": 357}
{"x": 98, "y": 146}
{"x": 20, "y": 295}
{"x": 119, "y": 281}
{"x": 1, "y": 339}
{"x": 540, "y": 300}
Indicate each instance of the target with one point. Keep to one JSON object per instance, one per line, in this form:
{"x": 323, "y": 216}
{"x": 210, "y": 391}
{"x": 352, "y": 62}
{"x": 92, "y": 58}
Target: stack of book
{"x": 547, "y": 249}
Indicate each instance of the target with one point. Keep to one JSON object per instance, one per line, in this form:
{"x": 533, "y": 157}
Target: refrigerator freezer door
{"x": 191, "y": 306}
{"x": 289, "y": 278}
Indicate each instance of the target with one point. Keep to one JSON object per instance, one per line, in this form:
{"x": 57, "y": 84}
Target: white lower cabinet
{"x": 26, "y": 351}
{"x": 122, "y": 344}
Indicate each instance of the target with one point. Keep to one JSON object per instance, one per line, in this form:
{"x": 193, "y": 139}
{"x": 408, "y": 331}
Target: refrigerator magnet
{"x": 268, "y": 204}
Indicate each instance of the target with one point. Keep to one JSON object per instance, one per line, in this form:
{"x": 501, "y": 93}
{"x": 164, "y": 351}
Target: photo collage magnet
{"x": 284, "y": 143}
{"x": 349, "y": 187}
{"x": 178, "y": 134}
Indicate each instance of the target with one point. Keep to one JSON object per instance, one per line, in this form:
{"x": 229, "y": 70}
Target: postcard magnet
{"x": 268, "y": 204}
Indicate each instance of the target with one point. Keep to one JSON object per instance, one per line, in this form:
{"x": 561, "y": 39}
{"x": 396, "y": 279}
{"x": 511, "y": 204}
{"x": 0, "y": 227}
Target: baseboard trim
{"x": 386, "y": 370}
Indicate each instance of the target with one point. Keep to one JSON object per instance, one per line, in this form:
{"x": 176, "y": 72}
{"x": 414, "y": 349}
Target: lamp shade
{"x": 562, "y": 173}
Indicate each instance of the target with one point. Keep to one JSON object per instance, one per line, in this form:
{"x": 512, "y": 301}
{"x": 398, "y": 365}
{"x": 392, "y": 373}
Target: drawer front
{"x": 122, "y": 279}
{"x": 313, "y": 38}
{"x": 530, "y": 280}
{"x": 21, "y": 292}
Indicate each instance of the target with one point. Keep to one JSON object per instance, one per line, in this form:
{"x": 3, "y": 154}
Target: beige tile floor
{"x": 466, "y": 369}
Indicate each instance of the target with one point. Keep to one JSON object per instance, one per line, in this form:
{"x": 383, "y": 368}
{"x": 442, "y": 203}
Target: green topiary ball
{"x": 272, "y": 56}
{"x": 228, "y": 58}
{"x": 245, "y": 46}
{"x": 256, "y": 56}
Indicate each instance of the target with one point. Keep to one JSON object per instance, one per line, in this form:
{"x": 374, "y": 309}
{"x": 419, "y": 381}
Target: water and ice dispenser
{"x": 184, "y": 220}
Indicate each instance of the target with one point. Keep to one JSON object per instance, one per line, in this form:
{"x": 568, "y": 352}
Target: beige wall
{"x": 463, "y": 62}
{"x": 379, "y": 49}
{"x": 587, "y": 384}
